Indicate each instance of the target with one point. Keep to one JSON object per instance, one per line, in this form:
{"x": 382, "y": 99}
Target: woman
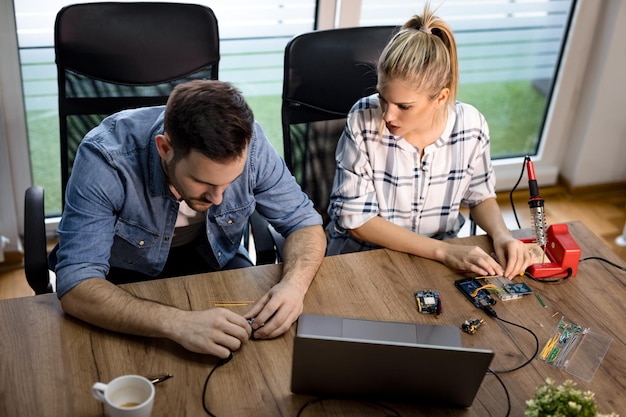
{"x": 411, "y": 155}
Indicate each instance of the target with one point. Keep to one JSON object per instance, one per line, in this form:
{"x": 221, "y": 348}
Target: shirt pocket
{"x": 132, "y": 245}
{"x": 232, "y": 223}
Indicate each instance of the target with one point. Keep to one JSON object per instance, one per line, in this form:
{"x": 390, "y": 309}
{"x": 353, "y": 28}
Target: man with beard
{"x": 167, "y": 191}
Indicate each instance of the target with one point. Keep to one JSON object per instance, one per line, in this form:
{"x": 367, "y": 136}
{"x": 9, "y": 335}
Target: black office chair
{"x": 325, "y": 73}
{"x": 113, "y": 56}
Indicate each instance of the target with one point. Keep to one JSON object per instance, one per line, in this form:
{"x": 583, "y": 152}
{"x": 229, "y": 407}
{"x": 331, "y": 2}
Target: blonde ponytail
{"x": 423, "y": 53}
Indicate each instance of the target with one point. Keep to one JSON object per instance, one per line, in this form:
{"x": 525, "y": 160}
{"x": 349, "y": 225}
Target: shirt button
{"x": 141, "y": 243}
{"x": 166, "y": 238}
{"x": 219, "y": 254}
{"x": 230, "y": 221}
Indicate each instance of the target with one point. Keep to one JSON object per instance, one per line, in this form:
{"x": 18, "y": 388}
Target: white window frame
{"x": 567, "y": 85}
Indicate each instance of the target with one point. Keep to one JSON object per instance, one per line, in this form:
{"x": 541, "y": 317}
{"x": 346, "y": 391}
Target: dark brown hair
{"x": 210, "y": 117}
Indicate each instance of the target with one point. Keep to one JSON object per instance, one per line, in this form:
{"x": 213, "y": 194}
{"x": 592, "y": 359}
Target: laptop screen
{"x": 386, "y": 360}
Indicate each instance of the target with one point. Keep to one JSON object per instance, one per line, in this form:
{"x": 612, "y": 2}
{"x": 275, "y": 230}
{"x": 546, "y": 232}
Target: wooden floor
{"x": 602, "y": 210}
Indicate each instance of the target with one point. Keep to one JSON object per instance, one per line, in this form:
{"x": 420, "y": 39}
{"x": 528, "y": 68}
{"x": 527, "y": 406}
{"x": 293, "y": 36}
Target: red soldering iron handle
{"x": 532, "y": 179}
{"x": 535, "y": 203}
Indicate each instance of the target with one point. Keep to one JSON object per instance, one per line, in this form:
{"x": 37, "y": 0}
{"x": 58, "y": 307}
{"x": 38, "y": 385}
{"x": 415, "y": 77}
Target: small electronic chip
{"x": 428, "y": 302}
{"x": 471, "y": 325}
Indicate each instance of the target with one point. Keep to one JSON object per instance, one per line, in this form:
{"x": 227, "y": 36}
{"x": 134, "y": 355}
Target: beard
{"x": 198, "y": 204}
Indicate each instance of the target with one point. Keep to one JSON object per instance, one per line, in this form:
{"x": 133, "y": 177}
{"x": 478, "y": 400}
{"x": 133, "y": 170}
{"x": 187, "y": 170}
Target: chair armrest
{"x": 35, "y": 245}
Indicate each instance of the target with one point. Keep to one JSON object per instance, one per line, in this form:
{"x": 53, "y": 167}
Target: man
{"x": 168, "y": 190}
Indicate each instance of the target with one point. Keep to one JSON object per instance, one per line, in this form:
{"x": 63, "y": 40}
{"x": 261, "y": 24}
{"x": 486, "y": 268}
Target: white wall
{"x": 13, "y": 145}
{"x": 595, "y": 151}
{"x": 8, "y": 223}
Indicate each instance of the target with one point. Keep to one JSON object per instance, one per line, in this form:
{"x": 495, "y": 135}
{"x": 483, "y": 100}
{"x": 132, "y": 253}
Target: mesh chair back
{"x": 114, "y": 56}
{"x": 325, "y": 73}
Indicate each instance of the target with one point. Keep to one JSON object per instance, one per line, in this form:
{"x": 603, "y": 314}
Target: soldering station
{"x": 560, "y": 253}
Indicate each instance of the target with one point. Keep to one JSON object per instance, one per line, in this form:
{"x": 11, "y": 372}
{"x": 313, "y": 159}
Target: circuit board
{"x": 428, "y": 301}
{"x": 470, "y": 287}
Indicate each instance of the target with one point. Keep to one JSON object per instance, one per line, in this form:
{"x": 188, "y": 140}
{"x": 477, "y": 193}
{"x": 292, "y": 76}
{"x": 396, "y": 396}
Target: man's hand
{"x": 277, "y": 310}
{"x": 97, "y": 301}
{"x": 216, "y": 332}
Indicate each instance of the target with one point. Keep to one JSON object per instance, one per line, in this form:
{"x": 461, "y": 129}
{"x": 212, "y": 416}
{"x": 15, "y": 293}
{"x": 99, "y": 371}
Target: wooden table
{"x": 48, "y": 361}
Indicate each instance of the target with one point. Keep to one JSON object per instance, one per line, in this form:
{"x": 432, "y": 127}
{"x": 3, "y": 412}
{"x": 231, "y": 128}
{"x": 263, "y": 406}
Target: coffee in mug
{"x": 126, "y": 396}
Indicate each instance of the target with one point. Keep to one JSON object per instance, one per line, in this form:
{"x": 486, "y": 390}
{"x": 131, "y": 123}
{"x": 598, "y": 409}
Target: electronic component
{"x": 471, "y": 325}
{"x": 506, "y": 289}
{"x": 563, "y": 341}
{"x": 518, "y": 288}
{"x": 472, "y": 290}
{"x": 428, "y": 302}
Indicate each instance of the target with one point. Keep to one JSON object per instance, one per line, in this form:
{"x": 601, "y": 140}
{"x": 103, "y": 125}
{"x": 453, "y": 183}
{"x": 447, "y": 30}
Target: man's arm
{"x": 217, "y": 332}
{"x": 277, "y": 310}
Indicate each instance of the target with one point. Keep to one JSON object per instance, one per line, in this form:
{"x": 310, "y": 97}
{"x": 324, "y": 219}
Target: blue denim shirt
{"x": 120, "y": 212}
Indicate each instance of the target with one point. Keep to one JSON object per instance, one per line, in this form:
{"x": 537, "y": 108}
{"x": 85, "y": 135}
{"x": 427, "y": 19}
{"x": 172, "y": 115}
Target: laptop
{"x": 419, "y": 363}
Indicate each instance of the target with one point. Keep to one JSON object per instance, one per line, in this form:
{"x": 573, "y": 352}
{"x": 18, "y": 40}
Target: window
{"x": 535, "y": 34}
{"x": 253, "y": 37}
{"x": 508, "y": 55}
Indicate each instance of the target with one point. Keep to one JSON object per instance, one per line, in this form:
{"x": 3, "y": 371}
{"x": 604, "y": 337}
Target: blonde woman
{"x": 411, "y": 156}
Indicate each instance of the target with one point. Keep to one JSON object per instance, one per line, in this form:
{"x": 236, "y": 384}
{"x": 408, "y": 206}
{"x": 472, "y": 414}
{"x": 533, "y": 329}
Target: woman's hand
{"x": 470, "y": 259}
{"x": 514, "y": 254}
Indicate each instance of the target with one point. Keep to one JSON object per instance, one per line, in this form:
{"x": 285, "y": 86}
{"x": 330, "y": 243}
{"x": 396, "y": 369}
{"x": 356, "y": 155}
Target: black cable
{"x": 521, "y": 174}
{"x": 489, "y": 310}
{"x": 603, "y": 260}
{"x": 221, "y": 362}
{"x": 569, "y": 270}
{"x": 206, "y": 383}
{"x": 375, "y": 404}
{"x": 529, "y": 360}
{"x": 506, "y": 391}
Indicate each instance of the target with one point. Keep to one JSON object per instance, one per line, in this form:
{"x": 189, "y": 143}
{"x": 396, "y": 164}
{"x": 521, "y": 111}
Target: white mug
{"x": 126, "y": 396}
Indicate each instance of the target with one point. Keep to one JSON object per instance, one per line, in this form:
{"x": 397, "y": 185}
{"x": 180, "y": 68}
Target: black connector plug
{"x": 486, "y": 307}
{"x": 489, "y": 310}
